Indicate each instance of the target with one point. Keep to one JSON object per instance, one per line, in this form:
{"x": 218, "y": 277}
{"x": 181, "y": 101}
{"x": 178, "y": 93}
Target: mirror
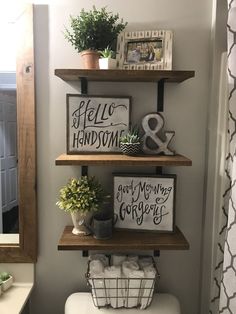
{"x": 21, "y": 150}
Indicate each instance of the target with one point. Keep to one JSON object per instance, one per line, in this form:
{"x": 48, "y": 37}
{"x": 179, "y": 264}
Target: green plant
{"x": 107, "y": 53}
{"x": 131, "y": 137}
{"x": 4, "y": 276}
{"x": 83, "y": 195}
{"x": 95, "y": 29}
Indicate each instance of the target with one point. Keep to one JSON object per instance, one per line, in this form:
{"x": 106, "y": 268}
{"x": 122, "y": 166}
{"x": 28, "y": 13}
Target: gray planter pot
{"x": 130, "y": 148}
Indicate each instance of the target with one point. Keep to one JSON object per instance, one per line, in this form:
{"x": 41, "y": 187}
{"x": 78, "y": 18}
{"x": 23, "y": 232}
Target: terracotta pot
{"x": 90, "y": 59}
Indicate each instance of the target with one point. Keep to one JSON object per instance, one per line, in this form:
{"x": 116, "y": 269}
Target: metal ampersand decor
{"x": 151, "y": 142}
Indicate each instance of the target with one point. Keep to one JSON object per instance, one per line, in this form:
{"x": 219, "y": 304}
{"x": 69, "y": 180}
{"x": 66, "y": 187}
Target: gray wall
{"x": 58, "y": 274}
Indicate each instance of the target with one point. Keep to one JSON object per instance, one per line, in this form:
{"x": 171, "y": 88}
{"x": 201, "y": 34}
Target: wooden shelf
{"x": 124, "y": 75}
{"x": 120, "y": 159}
{"x": 124, "y": 240}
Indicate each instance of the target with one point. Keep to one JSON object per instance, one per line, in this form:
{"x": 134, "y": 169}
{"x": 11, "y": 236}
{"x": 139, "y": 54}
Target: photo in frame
{"x": 96, "y": 123}
{"x": 144, "y": 202}
{"x": 145, "y": 50}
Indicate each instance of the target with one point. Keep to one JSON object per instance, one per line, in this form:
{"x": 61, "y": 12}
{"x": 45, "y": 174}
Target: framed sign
{"x": 145, "y": 202}
{"x": 96, "y": 123}
{"x": 145, "y": 50}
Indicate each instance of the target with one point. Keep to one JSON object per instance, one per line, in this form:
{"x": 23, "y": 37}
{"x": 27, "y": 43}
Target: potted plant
{"x": 81, "y": 197}
{"x": 107, "y": 60}
{"x": 6, "y": 279}
{"x": 93, "y": 31}
{"x": 130, "y": 143}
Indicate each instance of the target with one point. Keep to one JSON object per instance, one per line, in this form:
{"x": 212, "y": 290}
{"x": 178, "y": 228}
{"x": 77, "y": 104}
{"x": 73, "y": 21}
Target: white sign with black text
{"x": 96, "y": 123}
{"x": 144, "y": 202}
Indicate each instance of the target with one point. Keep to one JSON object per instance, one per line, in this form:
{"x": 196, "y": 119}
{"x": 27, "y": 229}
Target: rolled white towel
{"x": 96, "y": 267}
{"x": 96, "y": 274}
{"x": 134, "y": 288}
{"x": 133, "y": 258}
{"x": 128, "y": 267}
{"x": 118, "y": 259}
{"x": 97, "y": 282}
{"x": 114, "y": 286}
{"x": 101, "y": 257}
{"x": 148, "y": 285}
{"x": 132, "y": 283}
{"x": 145, "y": 261}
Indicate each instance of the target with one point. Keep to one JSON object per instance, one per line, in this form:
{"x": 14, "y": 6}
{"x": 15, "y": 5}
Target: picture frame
{"x": 145, "y": 50}
{"x": 96, "y": 123}
{"x": 144, "y": 202}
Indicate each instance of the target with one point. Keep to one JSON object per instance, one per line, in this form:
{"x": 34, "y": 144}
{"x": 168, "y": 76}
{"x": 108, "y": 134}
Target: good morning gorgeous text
{"x": 140, "y": 198}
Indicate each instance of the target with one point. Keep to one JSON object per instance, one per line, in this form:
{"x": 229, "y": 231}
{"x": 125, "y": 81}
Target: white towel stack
{"x": 128, "y": 282}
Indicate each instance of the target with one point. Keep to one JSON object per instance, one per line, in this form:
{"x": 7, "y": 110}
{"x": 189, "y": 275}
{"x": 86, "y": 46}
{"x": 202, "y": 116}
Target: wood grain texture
{"x": 124, "y": 75}
{"x": 124, "y": 240}
{"x": 120, "y": 159}
{"x": 26, "y": 251}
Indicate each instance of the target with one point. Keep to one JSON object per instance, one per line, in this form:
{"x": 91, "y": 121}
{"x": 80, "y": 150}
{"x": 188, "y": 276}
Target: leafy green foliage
{"x": 95, "y": 29}
{"x": 4, "y": 276}
{"x": 84, "y": 195}
{"x": 107, "y": 53}
{"x": 131, "y": 137}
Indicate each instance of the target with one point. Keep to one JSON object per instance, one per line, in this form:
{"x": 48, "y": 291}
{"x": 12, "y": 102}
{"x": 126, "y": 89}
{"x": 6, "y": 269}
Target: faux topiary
{"x": 81, "y": 195}
{"x": 95, "y": 29}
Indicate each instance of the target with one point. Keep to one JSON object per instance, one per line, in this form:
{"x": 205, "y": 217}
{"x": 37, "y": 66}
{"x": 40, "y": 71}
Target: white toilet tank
{"x": 82, "y": 303}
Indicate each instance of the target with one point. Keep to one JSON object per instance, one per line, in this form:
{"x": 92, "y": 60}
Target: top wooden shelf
{"x": 124, "y": 75}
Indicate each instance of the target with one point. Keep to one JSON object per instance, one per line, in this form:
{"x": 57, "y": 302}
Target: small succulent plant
{"x": 132, "y": 137}
{"x": 4, "y": 276}
{"x": 107, "y": 53}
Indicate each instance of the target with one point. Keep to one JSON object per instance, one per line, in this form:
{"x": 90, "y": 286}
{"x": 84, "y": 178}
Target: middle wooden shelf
{"x": 120, "y": 159}
{"x": 124, "y": 240}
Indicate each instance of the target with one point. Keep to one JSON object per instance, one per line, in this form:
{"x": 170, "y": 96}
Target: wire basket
{"x": 122, "y": 292}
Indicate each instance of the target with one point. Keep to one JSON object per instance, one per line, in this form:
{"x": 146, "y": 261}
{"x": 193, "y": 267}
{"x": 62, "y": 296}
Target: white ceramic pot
{"x": 79, "y": 222}
{"x": 7, "y": 284}
{"x": 107, "y": 63}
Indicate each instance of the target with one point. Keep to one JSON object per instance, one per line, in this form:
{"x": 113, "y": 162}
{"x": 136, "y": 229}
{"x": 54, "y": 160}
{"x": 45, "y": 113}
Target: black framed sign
{"x": 145, "y": 202}
{"x": 96, "y": 123}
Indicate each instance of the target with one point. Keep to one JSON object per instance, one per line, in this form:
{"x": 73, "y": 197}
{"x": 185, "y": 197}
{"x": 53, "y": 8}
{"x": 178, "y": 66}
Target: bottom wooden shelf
{"x": 124, "y": 240}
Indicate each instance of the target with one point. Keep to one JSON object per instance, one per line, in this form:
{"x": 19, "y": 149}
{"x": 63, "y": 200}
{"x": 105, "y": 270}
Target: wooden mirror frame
{"x": 26, "y": 250}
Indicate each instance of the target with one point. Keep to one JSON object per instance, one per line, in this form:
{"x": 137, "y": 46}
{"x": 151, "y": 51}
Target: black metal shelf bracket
{"x": 84, "y": 170}
{"x": 160, "y": 95}
{"x": 85, "y": 253}
{"x": 84, "y": 90}
{"x": 84, "y": 85}
{"x": 156, "y": 253}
